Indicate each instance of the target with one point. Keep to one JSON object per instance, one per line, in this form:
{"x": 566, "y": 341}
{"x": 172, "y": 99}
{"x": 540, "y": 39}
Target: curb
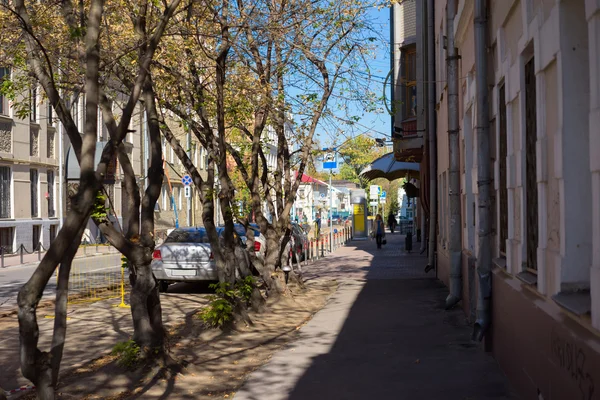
{"x": 32, "y": 264}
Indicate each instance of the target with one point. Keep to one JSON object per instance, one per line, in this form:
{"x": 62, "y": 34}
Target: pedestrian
{"x": 318, "y": 226}
{"x": 392, "y": 221}
{"x": 379, "y": 229}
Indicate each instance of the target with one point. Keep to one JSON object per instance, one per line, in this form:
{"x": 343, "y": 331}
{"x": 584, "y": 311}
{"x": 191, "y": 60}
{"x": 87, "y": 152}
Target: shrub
{"x": 244, "y": 288}
{"x": 128, "y": 354}
{"x": 220, "y": 309}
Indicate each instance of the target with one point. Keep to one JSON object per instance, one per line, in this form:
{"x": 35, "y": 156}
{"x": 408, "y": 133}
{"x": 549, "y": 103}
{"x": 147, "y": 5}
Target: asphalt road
{"x": 13, "y": 278}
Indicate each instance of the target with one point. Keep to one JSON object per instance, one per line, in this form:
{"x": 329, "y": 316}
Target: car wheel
{"x": 163, "y": 286}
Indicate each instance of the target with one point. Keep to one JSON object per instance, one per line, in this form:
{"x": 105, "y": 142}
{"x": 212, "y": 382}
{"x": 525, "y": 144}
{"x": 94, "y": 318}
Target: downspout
{"x": 484, "y": 176}
{"x": 432, "y": 137}
{"x": 455, "y": 245}
{"x": 61, "y": 176}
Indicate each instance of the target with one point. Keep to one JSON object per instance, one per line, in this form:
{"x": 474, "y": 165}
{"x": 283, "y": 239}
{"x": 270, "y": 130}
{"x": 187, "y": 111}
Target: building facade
{"x": 29, "y": 164}
{"x": 543, "y": 73}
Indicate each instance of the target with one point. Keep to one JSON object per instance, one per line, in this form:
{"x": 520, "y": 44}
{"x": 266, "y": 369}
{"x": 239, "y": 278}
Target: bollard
{"x": 1, "y": 257}
{"x": 21, "y": 254}
{"x": 39, "y": 251}
{"x": 322, "y": 248}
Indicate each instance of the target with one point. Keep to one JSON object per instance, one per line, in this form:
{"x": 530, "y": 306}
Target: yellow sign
{"x": 359, "y": 219}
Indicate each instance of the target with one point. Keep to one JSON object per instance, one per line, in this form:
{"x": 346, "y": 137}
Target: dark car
{"x": 300, "y": 242}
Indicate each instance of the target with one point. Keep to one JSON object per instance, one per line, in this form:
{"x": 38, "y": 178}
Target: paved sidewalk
{"x": 14, "y": 260}
{"x": 383, "y": 335}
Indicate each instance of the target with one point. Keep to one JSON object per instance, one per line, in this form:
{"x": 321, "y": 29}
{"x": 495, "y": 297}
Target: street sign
{"x": 329, "y": 161}
{"x": 373, "y": 191}
{"x": 383, "y": 194}
{"x": 186, "y": 180}
{"x": 373, "y": 203}
{"x": 382, "y": 200}
{"x": 187, "y": 190}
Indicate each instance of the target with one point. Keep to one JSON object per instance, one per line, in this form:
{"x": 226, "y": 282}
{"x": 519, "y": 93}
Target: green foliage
{"x": 128, "y": 353}
{"x": 244, "y": 288}
{"x": 100, "y": 211}
{"x": 220, "y": 308}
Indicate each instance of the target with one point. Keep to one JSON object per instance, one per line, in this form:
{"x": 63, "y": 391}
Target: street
{"x": 13, "y": 278}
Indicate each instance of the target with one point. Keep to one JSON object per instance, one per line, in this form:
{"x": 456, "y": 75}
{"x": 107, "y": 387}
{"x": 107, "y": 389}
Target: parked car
{"x": 300, "y": 242}
{"x": 185, "y": 255}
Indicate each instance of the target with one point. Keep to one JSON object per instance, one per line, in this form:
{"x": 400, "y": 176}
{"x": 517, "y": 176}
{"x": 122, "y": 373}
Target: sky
{"x": 374, "y": 124}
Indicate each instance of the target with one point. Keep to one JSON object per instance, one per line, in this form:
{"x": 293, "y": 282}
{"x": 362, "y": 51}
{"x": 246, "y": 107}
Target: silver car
{"x": 184, "y": 256}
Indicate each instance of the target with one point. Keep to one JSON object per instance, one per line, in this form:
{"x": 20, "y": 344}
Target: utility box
{"x": 358, "y": 201}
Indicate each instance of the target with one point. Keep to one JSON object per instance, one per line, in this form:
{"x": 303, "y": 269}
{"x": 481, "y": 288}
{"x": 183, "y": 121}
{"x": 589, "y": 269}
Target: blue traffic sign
{"x": 186, "y": 180}
{"x": 383, "y": 194}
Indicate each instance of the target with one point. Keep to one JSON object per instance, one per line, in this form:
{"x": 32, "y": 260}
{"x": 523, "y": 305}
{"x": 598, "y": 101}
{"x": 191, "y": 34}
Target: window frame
{"x": 34, "y": 192}
{"x": 4, "y": 105}
{"x": 9, "y": 185}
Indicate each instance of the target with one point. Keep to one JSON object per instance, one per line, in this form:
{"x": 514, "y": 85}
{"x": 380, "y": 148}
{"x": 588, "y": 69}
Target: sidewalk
{"x": 383, "y": 335}
{"x": 14, "y": 260}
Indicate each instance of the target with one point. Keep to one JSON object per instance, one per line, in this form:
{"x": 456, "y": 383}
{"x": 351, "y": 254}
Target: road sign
{"x": 373, "y": 203}
{"x": 187, "y": 190}
{"x": 329, "y": 161}
{"x": 383, "y": 194}
{"x": 186, "y": 180}
{"x": 382, "y": 200}
{"x": 323, "y": 195}
{"x": 373, "y": 191}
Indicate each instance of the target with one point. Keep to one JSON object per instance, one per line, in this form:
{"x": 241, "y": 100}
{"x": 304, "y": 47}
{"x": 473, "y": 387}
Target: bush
{"x": 244, "y": 288}
{"x": 220, "y": 309}
{"x": 128, "y": 354}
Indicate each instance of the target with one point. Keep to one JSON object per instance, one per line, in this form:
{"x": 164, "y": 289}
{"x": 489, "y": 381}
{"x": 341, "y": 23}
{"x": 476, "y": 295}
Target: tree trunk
{"x": 146, "y": 311}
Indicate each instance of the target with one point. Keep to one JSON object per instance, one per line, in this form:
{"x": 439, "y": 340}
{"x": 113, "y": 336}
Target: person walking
{"x": 379, "y": 229}
{"x": 391, "y": 222}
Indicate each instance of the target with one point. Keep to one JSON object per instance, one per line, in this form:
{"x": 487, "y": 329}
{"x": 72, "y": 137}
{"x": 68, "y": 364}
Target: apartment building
{"x": 29, "y": 163}
{"x": 543, "y": 84}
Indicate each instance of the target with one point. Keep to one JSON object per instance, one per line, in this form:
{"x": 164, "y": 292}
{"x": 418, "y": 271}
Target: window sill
{"x": 527, "y": 278}
{"x": 500, "y": 262}
{"x": 578, "y": 303}
{"x": 7, "y": 219}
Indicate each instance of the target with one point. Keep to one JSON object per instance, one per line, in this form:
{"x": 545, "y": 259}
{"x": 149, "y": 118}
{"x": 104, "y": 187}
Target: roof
{"x": 309, "y": 179}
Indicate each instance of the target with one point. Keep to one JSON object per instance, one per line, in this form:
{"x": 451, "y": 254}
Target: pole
{"x": 61, "y": 175}
{"x": 330, "y": 211}
{"x": 189, "y": 200}
{"x": 484, "y": 175}
{"x": 455, "y": 240}
{"x": 432, "y": 137}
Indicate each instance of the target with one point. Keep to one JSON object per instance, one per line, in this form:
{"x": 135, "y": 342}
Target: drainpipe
{"x": 484, "y": 176}
{"x": 455, "y": 245}
{"x": 432, "y": 137}
{"x": 61, "y": 175}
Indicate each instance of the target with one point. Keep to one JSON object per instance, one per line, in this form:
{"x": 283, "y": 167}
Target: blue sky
{"x": 374, "y": 124}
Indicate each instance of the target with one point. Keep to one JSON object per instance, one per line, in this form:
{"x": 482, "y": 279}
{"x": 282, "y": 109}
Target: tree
{"x": 357, "y": 153}
{"x": 64, "y": 49}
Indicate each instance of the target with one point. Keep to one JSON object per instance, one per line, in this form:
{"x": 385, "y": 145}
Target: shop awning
{"x": 389, "y": 168}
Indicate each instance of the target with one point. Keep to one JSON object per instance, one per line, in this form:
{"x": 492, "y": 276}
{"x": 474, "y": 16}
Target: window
{"x": 410, "y": 79}
{"x": 502, "y": 169}
{"x": 531, "y": 204}
{"x": 50, "y": 115}
{"x": 36, "y": 237}
{"x": 6, "y": 239}
{"x": 179, "y": 207}
{"x": 33, "y": 178}
{"x": 51, "y": 212}
{"x": 4, "y": 74}
{"x": 5, "y": 192}
{"x": 33, "y": 117}
{"x": 52, "y": 232}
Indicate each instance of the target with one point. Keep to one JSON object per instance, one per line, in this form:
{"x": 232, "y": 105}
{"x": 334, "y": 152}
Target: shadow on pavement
{"x": 386, "y": 336}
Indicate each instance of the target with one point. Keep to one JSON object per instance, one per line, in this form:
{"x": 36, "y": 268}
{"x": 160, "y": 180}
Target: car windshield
{"x": 187, "y": 236}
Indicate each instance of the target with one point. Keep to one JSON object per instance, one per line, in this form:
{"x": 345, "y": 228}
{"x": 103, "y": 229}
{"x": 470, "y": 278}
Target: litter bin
{"x": 408, "y": 241}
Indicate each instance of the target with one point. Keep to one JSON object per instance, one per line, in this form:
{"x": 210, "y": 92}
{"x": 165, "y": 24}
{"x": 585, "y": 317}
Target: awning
{"x": 409, "y": 149}
{"x": 389, "y": 168}
{"x": 72, "y": 169}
